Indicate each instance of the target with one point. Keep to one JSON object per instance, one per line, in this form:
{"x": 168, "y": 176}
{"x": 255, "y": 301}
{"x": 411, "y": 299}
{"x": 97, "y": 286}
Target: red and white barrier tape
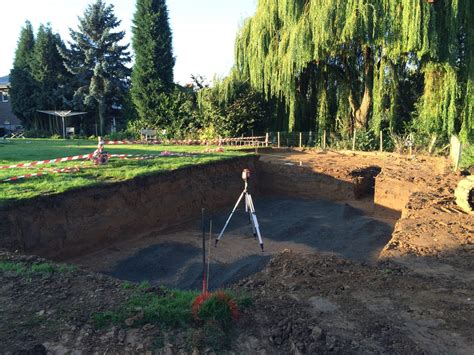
{"x": 49, "y": 161}
{"x": 116, "y": 142}
{"x": 41, "y": 173}
{"x": 190, "y": 141}
{"x": 162, "y": 154}
{"x": 76, "y": 169}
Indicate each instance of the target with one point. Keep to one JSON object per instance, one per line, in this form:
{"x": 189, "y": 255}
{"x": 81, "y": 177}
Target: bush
{"x": 36, "y": 134}
{"x": 122, "y": 135}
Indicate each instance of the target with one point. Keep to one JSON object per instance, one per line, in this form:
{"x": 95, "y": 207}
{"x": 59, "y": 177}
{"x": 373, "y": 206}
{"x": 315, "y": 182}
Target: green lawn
{"x": 26, "y": 150}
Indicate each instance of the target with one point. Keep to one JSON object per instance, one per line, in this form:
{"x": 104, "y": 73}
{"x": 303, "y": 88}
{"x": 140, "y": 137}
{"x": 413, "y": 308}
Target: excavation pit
{"x": 174, "y": 259}
{"x": 148, "y": 229}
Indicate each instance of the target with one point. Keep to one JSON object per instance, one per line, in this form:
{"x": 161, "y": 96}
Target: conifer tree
{"x": 98, "y": 61}
{"x": 22, "y": 84}
{"x": 49, "y": 73}
{"x": 152, "y": 77}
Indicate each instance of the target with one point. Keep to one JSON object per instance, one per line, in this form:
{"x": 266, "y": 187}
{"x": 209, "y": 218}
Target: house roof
{"x": 4, "y": 80}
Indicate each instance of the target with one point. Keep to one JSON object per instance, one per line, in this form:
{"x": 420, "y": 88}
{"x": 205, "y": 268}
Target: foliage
{"x": 180, "y": 118}
{"x": 35, "y": 269}
{"x": 152, "y": 76}
{"x": 348, "y": 64}
{"x": 39, "y": 80}
{"x": 172, "y": 309}
{"x": 50, "y": 76}
{"x": 97, "y": 61}
{"x": 22, "y": 84}
{"x": 218, "y": 308}
{"x": 231, "y": 108}
{"x": 33, "y": 133}
{"x": 467, "y": 158}
{"x": 175, "y": 309}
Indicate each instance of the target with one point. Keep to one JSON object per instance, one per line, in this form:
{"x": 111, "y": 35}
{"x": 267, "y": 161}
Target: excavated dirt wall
{"x": 302, "y": 181}
{"x": 393, "y": 193}
{"x": 59, "y": 226}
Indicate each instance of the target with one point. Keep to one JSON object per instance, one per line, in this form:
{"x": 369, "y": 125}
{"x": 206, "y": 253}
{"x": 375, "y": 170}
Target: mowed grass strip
{"x": 27, "y": 150}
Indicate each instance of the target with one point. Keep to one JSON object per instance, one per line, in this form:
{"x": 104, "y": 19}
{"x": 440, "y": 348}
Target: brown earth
{"x": 417, "y": 298}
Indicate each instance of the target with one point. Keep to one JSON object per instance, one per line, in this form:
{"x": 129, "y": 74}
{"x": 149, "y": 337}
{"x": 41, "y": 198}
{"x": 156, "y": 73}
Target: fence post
{"x": 432, "y": 143}
{"x": 310, "y": 138}
{"x": 266, "y": 139}
{"x": 324, "y": 140}
{"x": 381, "y": 141}
{"x": 278, "y": 135}
{"x": 354, "y": 140}
{"x": 455, "y": 152}
{"x": 301, "y": 139}
{"x": 411, "y": 144}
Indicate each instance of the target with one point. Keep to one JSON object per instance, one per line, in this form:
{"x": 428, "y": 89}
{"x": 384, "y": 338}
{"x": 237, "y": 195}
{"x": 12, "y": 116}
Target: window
{"x": 4, "y": 96}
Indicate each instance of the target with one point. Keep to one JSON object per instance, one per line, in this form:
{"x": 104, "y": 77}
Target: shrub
{"x": 36, "y": 133}
{"x": 218, "y": 307}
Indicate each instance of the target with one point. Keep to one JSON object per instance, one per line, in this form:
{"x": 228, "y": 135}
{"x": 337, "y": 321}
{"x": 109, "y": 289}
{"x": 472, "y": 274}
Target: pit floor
{"x": 354, "y": 230}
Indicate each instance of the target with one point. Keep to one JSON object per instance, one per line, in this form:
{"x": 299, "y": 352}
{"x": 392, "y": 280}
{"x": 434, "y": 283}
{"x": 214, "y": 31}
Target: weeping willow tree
{"x": 344, "y": 64}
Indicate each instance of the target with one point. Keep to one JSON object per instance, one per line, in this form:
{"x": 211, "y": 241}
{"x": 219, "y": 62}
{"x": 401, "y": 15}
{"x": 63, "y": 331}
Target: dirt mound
{"x": 321, "y": 304}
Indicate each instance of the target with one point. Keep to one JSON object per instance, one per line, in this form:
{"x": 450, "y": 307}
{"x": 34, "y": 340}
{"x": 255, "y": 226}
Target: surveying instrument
{"x": 249, "y": 208}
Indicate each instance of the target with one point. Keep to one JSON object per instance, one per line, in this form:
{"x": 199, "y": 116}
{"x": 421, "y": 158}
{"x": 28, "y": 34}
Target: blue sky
{"x": 203, "y": 30}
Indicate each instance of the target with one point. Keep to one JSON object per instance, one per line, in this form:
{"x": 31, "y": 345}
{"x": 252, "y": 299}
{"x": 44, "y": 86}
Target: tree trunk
{"x": 360, "y": 112}
{"x": 102, "y": 117}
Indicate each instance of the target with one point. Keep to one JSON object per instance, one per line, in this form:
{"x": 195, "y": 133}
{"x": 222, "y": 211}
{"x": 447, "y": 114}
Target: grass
{"x": 25, "y": 150}
{"x": 35, "y": 269}
{"x": 174, "y": 309}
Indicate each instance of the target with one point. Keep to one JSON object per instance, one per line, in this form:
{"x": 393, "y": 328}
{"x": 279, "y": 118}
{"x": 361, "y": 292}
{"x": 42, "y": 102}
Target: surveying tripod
{"x": 249, "y": 208}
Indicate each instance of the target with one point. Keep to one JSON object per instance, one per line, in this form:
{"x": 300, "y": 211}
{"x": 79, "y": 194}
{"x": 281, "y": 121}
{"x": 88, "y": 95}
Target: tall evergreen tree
{"x": 21, "y": 81}
{"x": 98, "y": 61}
{"x": 152, "y": 76}
{"x": 49, "y": 73}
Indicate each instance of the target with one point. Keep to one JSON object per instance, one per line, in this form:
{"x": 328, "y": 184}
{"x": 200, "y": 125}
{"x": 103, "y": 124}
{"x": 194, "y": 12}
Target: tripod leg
{"x": 248, "y": 201}
{"x": 228, "y": 219}
{"x": 255, "y": 221}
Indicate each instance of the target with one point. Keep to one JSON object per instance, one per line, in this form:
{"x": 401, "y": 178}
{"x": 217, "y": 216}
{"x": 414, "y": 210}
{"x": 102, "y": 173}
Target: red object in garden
{"x": 221, "y": 297}
{"x": 198, "y": 303}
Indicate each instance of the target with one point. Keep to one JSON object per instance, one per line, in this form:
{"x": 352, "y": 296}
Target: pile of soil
{"x": 323, "y": 304}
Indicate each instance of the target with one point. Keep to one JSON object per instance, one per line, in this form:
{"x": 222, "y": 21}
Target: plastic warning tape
{"x": 26, "y": 176}
{"x": 116, "y": 142}
{"x": 218, "y": 141}
{"x": 162, "y": 154}
{"x": 41, "y": 173}
{"x": 49, "y": 161}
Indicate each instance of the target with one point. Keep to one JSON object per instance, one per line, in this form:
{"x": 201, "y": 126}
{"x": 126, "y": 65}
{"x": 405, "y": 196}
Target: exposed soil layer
{"x": 175, "y": 259}
{"x": 60, "y": 226}
{"x": 432, "y": 236}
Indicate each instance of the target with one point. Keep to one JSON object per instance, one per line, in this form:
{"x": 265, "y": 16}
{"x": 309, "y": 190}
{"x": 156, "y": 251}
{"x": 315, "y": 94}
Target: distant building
{"x": 8, "y": 120}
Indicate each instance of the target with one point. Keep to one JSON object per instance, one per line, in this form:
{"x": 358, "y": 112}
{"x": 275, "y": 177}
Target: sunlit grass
{"x": 88, "y": 175}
